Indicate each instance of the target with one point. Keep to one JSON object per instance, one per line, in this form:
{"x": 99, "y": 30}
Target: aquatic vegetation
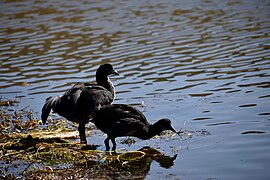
{"x": 30, "y": 150}
{"x": 55, "y": 156}
{"x": 128, "y": 141}
{"x": 8, "y": 102}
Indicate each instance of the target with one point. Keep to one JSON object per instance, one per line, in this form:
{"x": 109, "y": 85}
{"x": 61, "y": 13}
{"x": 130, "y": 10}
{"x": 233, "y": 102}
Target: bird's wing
{"x": 72, "y": 95}
{"x": 82, "y": 92}
{"x": 127, "y": 111}
{"x": 94, "y": 96}
{"x": 64, "y": 104}
{"x": 81, "y": 100}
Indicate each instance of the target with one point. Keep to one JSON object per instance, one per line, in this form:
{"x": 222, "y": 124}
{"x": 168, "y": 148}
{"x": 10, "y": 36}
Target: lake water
{"x": 203, "y": 64}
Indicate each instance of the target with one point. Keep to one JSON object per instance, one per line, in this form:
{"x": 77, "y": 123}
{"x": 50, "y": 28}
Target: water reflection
{"x": 130, "y": 164}
{"x": 137, "y": 163}
{"x": 144, "y": 160}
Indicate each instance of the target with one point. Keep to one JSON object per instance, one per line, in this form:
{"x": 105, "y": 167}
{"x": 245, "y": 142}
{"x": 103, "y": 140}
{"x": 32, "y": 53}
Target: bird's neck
{"x": 105, "y": 82}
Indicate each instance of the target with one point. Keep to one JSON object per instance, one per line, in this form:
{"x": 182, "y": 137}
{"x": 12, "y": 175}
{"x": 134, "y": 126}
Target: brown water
{"x": 203, "y": 64}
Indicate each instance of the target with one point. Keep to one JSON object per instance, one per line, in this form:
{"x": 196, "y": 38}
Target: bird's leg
{"x": 114, "y": 143}
{"x": 82, "y": 133}
{"x": 106, "y": 142}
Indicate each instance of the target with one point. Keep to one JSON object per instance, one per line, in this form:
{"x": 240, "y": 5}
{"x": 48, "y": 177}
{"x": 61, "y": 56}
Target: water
{"x": 203, "y": 64}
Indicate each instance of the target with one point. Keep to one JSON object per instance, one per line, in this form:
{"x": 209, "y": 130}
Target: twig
{"x": 24, "y": 108}
{"x": 26, "y": 168}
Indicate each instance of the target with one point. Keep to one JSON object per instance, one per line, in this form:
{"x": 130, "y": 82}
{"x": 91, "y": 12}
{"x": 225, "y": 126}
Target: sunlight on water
{"x": 203, "y": 62}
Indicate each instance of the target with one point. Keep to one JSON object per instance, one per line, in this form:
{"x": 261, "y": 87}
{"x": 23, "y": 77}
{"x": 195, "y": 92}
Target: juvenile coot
{"x": 79, "y": 103}
{"x": 118, "y": 120}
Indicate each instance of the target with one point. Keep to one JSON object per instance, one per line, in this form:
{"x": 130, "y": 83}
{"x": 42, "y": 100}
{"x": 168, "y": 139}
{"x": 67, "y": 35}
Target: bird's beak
{"x": 115, "y": 72}
{"x": 172, "y": 129}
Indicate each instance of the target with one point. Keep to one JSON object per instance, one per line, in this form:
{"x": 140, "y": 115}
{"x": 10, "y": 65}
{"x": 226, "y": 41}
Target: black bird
{"x": 118, "y": 120}
{"x": 79, "y": 103}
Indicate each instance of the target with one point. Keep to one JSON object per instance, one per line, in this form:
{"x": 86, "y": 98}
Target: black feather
{"x": 80, "y": 102}
{"x": 118, "y": 120}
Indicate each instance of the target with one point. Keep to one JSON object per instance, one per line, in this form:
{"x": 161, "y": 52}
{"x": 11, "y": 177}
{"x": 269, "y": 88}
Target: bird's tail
{"x": 46, "y": 109}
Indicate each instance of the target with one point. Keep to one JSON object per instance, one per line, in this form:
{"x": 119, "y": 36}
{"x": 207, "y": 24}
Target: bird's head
{"x": 165, "y": 124}
{"x": 107, "y": 69}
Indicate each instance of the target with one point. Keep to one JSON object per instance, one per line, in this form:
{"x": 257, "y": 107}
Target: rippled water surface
{"x": 203, "y": 64}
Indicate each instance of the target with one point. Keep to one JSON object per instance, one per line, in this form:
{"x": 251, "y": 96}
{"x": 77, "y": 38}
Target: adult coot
{"x": 118, "y": 120}
{"x": 79, "y": 103}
